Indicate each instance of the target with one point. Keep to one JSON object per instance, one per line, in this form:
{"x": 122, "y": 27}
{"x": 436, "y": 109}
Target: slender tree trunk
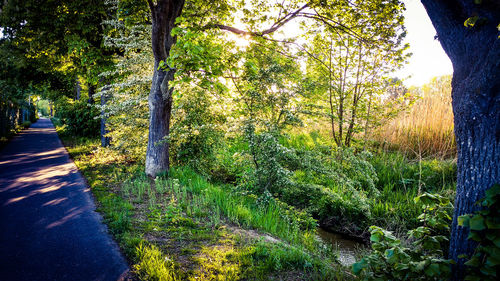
{"x": 3, "y": 120}
{"x": 105, "y": 141}
{"x": 78, "y": 89}
{"x": 475, "y": 54}
{"x": 91, "y": 93}
{"x": 163, "y": 14}
{"x": 330, "y": 93}
{"x": 367, "y": 123}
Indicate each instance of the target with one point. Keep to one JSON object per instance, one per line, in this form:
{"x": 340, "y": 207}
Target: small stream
{"x": 347, "y": 247}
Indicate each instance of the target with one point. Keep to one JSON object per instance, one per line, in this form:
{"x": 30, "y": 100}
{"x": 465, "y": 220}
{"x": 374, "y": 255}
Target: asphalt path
{"x": 49, "y": 229}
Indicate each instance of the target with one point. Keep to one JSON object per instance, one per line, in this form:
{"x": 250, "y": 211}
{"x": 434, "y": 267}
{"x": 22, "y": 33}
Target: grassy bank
{"x": 346, "y": 190}
{"x": 185, "y": 228}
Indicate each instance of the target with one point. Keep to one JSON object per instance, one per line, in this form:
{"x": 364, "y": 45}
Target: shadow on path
{"x": 48, "y": 227}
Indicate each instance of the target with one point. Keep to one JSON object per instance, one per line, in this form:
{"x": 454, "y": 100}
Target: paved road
{"x": 48, "y": 227}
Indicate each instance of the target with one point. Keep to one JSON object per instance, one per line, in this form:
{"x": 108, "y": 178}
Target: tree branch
{"x": 277, "y": 25}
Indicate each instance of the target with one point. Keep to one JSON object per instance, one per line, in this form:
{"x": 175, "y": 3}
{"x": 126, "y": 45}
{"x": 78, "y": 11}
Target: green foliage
{"x": 26, "y": 124}
{"x": 153, "y": 265}
{"x": 484, "y": 228}
{"x": 268, "y": 155}
{"x": 196, "y": 133}
{"x": 43, "y": 107}
{"x": 129, "y": 82}
{"x": 423, "y": 258}
{"x": 346, "y": 78}
{"x": 79, "y": 117}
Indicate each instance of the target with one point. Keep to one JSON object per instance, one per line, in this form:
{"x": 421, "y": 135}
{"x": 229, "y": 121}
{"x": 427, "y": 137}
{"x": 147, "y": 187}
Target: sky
{"x": 428, "y": 59}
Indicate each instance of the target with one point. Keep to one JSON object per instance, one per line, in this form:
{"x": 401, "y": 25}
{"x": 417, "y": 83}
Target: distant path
{"x": 48, "y": 227}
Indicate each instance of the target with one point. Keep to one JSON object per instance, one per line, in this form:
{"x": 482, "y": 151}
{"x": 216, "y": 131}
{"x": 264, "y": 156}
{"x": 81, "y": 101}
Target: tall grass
{"x": 200, "y": 198}
{"x": 189, "y": 194}
{"x": 426, "y": 129}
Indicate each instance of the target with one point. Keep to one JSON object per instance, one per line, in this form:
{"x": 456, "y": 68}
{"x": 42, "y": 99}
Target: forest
{"x": 269, "y": 140}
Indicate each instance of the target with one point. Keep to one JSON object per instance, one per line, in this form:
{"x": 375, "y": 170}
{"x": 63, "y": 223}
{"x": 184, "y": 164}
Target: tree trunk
{"x": 160, "y": 109}
{"x": 478, "y": 142}
{"x": 163, "y": 14}
{"x": 105, "y": 141}
{"x": 475, "y": 54}
{"x": 3, "y": 120}
{"x": 78, "y": 89}
{"x": 91, "y": 94}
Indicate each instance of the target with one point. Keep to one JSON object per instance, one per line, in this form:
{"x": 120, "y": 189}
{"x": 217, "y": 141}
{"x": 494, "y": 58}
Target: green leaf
{"x": 474, "y": 236}
{"x": 477, "y": 223}
{"x": 474, "y": 261}
{"x": 432, "y": 269}
{"x": 470, "y": 22}
{"x": 492, "y": 223}
{"x": 464, "y": 220}
{"x": 495, "y": 189}
{"x": 358, "y": 266}
{"x": 492, "y": 261}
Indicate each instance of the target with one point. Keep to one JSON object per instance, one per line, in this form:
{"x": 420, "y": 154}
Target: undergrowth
{"x": 186, "y": 228}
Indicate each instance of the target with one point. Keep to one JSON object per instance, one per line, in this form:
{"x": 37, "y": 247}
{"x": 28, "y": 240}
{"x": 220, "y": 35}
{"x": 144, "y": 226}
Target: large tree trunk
{"x": 163, "y": 14}
{"x": 475, "y": 54}
{"x": 160, "y": 109}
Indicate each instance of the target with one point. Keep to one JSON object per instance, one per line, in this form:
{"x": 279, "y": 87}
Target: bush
{"x": 485, "y": 230}
{"x": 26, "y": 124}
{"x": 423, "y": 259}
{"x": 79, "y": 116}
{"x": 196, "y": 132}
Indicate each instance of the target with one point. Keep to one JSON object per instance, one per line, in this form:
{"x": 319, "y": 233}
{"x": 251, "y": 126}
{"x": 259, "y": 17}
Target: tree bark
{"x": 78, "y": 89}
{"x": 91, "y": 93}
{"x": 163, "y": 14}
{"x": 4, "y": 119}
{"x": 475, "y": 54}
{"x": 105, "y": 141}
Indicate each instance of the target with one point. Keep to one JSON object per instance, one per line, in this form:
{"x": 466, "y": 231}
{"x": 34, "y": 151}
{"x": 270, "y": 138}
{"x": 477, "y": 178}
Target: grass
{"x": 426, "y": 130}
{"x": 186, "y": 228}
{"x": 400, "y": 180}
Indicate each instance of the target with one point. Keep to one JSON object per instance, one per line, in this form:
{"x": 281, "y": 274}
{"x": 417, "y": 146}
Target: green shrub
{"x": 79, "y": 117}
{"x": 485, "y": 230}
{"x": 26, "y": 124}
{"x": 196, "y": 132}
{"x": 423, "y": 258}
